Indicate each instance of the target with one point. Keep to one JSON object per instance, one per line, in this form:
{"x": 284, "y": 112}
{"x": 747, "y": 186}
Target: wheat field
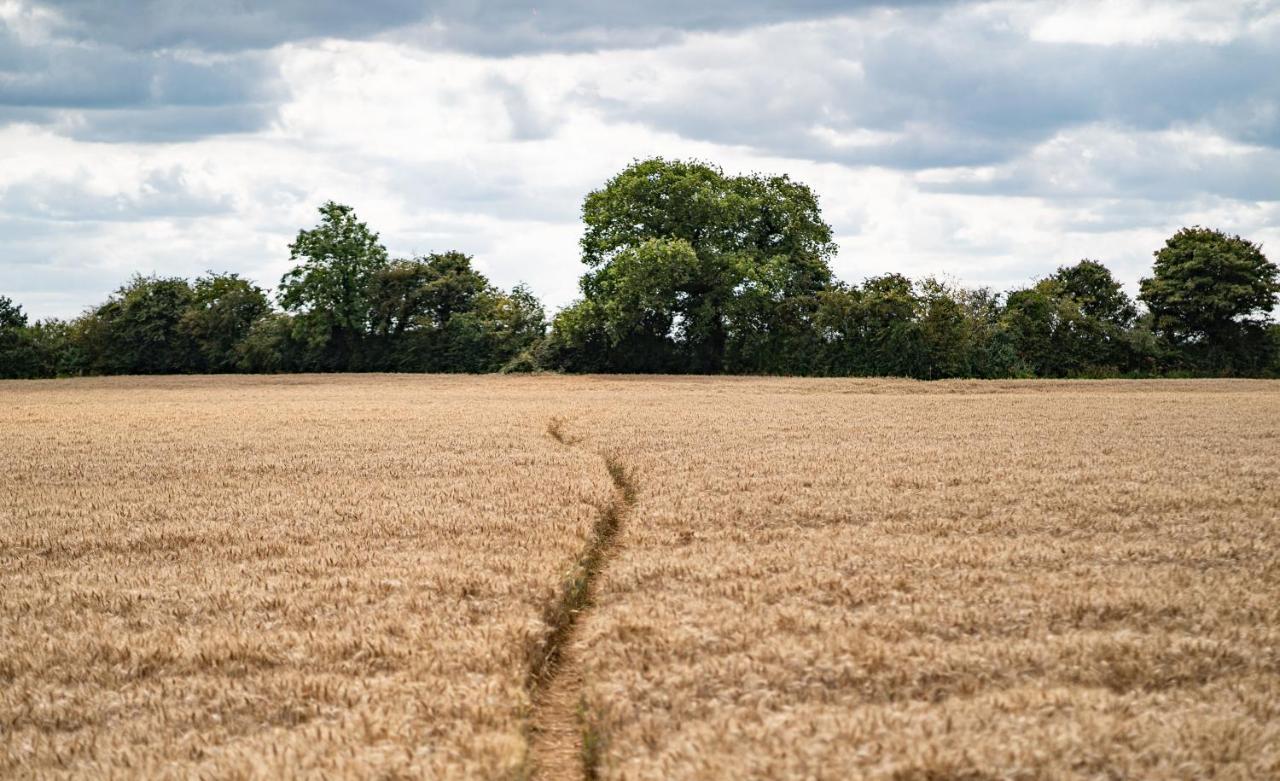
{"x": 293, "y": 576}
{"x": 639, "y": 578}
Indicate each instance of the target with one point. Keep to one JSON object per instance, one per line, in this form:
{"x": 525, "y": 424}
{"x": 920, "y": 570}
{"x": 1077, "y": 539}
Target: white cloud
{"x": 1111, "y": 22}
{"x": 31, "y": 24}
{"x": 970, "y": 142}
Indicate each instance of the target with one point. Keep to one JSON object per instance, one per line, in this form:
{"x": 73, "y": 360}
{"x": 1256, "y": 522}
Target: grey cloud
{"x": 1022, "y": 88}
{"x": 458, "y": 187}
{"x": 505, "y": 28}
{"x": 108, "y": 93}
{"x": 38, "y": 271}
{"x": 226, "y": 25}
{"x": 951, "y": 88}
{"x": 60, "y": 73}
{"x": 147, "y": 124}
{"x": 162, "y": 193}
{"x": 494, "y": 27}
{"x": 165, "y": 123}
{"x": 943, "y": 89}
{"x": 1118, "y": 214}
{"x": 528, "y": 122}
{"x": 149, "y": 56}
{"x": 1104, "y": 164}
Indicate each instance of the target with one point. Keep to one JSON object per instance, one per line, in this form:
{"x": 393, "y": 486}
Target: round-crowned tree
{"x": 329, "y": 286}
{"x": 682, "y": 256}
{"x": 1209, "y": 291}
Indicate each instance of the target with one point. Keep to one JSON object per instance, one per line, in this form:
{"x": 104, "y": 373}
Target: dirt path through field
{"x": 560, "y": 746}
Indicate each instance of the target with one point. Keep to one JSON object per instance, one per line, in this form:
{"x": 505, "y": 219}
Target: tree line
{"x": 688, "y": 270}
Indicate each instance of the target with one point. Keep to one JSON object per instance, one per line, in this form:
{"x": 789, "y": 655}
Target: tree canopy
{"x": 682, "y": 258}
{"x": 329, "y": 286}
{"x": 686, "y": 269}
{"x": 1211, "y": 293}
{"x": 222, "y": 311}
{"x": 17, "y": 358}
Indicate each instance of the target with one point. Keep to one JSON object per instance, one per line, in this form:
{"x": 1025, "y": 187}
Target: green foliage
{"x": 493, "y": 330}
{"x": 1209, "y": 295}
{"x": 1272, "y": 368}
{"x": 271, "y": 345}
{"x": 330, "y": 286}
{"x": 675, "y": 250}
{"x": 640, "y": 302}
{"x": 773, "y": 321}
{"x": 222, "y": 312}
{"x": 439, "y": 314}
{"x": 693, "y": 270}
{"x": 930, "y": 330}
{"x": 1037, "y": 320}
{"x": 871, "y": 331}
{"x": 527, "y": 361}
{"x": 423, "y": 292}
{"x": 1072, "y": 323}
{"x": 12, "y": 318}
{"x": 580, "y": 342}
{"x": 139, "y": 330}
{"x": 688, "y": 270}
{"x": 18, "y": 352}
{"x": 1095, "y": 292}
{"x": 946, "y": 332}
{"x": 992, "y": 353}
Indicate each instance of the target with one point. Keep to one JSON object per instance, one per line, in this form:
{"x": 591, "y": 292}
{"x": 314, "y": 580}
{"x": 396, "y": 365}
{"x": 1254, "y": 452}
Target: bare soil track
{"x": 562, "y": 745}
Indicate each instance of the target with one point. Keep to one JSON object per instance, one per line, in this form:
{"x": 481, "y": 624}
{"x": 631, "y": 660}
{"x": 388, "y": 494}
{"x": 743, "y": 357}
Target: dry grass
{"x": 823, "y": 579}
{"x": 904, "y": 581}
{"x": 298, "y": 576}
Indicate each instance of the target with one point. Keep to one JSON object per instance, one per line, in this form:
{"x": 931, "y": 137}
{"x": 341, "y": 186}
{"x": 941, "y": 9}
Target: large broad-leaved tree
{"x": 1211, "y": 294}
{"x": 683, "y": 259}
{"x": 329, "y": 287}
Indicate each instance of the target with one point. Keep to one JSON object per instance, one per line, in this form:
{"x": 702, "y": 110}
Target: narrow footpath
{"x": 561, "y": 747}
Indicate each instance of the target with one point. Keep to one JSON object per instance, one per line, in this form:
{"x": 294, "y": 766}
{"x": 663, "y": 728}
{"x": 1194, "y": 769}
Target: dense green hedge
{"x": 688, "y": 270}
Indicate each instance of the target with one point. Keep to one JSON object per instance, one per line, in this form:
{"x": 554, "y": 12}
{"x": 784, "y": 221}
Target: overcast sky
{"x": 984, "y": 142}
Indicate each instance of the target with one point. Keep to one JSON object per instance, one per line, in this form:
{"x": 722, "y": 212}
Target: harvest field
{"x": 639, "y": 578}
{"x": 329, "y": 576}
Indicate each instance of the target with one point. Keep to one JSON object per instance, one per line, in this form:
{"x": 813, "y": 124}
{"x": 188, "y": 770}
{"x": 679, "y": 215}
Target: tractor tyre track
{"x": 561, "y": 743}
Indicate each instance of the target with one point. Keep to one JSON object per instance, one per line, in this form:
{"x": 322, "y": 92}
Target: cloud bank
{"x": 984, "y": 141}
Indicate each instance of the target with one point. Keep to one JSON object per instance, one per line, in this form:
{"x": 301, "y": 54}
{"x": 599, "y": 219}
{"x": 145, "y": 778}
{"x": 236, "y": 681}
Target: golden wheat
{"x": 295, "y": 576}
{"x": 345, "y": 576}
{"x": 961, "y": 580}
